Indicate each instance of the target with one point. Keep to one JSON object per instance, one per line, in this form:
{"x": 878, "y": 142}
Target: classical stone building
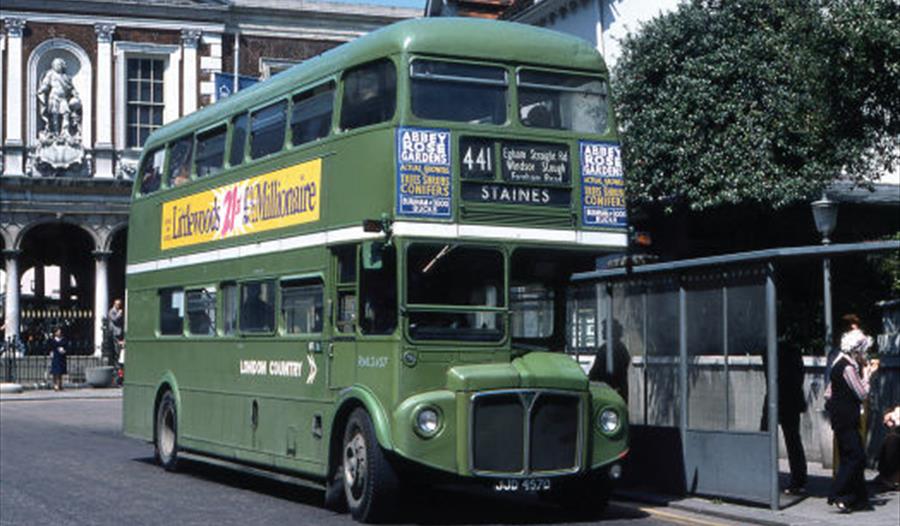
{"x": 82, "y": 85}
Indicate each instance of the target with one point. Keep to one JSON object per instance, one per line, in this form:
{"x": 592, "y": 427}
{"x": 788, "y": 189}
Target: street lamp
{"x": 825, "y": 215}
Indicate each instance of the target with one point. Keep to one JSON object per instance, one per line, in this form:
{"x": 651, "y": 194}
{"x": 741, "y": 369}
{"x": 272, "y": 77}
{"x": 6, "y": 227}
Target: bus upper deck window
{"x": 311, "y": 114}
{"x": 563, "y": 102}
{"x": 180, "y": 161}
{"x": 238, "y": 140}
{"x": 152, "y": 171}
{"x": 210, "y": 155}
{"x": 458, "y": 92}
{"x": 267, "y": 129}
{"x": 370, "y": 95}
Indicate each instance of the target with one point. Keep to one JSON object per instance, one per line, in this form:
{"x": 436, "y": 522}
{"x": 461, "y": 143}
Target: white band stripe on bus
{"x": 400, "y": 228}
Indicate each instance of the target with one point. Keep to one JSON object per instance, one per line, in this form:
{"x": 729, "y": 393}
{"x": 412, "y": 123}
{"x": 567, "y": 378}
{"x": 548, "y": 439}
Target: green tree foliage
{"x": 754, "y": 101}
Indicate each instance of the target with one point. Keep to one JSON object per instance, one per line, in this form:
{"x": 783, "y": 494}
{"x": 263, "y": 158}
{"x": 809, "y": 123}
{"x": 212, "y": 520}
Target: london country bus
{"x": 355, "y": 271}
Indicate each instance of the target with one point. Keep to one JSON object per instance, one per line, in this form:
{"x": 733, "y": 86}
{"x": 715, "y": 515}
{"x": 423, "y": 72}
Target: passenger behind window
{"x": 369, "y": 95}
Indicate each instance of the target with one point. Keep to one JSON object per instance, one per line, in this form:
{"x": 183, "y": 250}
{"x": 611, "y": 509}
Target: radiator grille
{"x": 524, "y": 432}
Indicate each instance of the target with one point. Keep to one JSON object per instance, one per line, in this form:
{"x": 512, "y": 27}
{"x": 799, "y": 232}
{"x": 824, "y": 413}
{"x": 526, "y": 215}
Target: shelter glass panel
{"x": 747, "y": 347}
{"x": 582, "y": 337}
{"x": 707, "y": 382}
{"x": 663, "y": 354}
{"x": 629, "y": 345}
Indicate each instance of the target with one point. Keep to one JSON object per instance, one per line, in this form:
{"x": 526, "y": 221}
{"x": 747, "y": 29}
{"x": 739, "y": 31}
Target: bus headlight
{"x": 428, "y": 422}
{"x": 608, "y": 421}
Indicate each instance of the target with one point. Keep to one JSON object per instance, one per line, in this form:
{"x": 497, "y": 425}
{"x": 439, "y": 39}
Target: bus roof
{"x": 457, "y": 37}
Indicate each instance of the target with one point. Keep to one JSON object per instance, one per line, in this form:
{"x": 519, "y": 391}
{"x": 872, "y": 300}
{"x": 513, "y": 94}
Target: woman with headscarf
{"x": 849, "y": 387}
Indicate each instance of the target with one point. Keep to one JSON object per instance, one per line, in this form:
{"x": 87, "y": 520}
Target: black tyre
{"x": 370, "y": 482}
{"x": 166, "y": 435}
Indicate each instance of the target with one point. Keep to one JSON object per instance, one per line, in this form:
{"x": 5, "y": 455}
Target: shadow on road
{"x": 424, "y": 506}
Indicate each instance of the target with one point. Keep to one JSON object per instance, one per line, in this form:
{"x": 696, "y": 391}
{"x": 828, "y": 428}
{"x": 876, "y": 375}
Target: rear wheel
{"x": 166, "y": 437}
{"x": 370, "y": 482}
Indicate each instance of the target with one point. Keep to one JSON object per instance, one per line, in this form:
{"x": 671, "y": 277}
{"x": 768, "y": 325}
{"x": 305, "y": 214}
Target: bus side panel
{"x": 137, "y": 411}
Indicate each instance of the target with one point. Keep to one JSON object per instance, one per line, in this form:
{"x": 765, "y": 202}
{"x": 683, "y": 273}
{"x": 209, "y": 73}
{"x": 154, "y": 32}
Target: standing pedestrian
{"x": 116, "y": 317}
{"x": 791, "y": 403}
{"x": 849, "y": 387}
{"x": 58, "y": 349}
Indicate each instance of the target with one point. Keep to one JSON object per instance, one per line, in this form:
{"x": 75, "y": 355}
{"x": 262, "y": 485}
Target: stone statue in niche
{"x": 59, "y": 107}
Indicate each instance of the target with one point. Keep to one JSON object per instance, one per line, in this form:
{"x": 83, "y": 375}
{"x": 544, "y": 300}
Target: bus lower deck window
{"x": 258, "y": 306}
{"x": 201, "y": 312}
{"x": 301, "y": 306}
{"x": 171, "y": 312}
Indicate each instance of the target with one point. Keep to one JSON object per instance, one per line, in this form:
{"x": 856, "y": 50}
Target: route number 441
{"x": 477, "y": 158}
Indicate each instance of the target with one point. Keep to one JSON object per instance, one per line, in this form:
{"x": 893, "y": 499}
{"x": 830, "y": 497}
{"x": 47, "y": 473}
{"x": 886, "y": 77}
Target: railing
{"x": 27, "y": 365}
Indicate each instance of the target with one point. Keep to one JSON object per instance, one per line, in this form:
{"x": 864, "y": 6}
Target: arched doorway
{"x": 57, "y": 286}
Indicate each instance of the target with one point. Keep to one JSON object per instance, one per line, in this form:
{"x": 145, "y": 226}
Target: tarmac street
{"x": 64, "y": 461}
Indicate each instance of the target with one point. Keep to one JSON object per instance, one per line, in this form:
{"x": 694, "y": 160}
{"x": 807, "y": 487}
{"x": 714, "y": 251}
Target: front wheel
{"x": 370, "y": 482}
{"x": 166, "y": 437}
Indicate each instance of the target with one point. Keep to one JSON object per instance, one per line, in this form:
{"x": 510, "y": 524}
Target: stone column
{"x": 189, "y": 40}
{"x": 14, "y": 147}
{"x": 101, "y": 297}
{"x": 103, "y": 148}
{"x": 11, "y": 308}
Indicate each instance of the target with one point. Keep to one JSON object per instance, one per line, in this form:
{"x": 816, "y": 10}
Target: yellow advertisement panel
{"x": 286, "y": 197}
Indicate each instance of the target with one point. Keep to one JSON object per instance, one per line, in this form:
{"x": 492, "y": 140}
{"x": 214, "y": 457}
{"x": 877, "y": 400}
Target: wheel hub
{"x": 355, "y": 463}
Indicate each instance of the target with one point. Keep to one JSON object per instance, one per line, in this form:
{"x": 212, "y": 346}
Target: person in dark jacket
{"x": 58, "y": 349}
{"x": 849, "y": 387}
{"x": 791, "y": 403}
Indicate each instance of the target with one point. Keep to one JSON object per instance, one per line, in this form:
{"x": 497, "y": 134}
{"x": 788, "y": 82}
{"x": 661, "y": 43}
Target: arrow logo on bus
{"x": 312, "y": 369}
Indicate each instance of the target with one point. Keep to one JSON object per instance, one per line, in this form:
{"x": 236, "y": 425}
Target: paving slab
{"x": 69, "y": 392}
{"x": 809, "y": 510}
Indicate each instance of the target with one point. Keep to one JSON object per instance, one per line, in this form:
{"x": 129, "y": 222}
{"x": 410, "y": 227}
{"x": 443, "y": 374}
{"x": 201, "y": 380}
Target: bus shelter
{"x": 695, "y": 346}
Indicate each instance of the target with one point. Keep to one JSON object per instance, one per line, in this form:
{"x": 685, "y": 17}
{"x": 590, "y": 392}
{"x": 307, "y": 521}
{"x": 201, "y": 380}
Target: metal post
{"x": 609, "y": 331}
{"x": 772, "y": 387}
{"x": 826, "y": 296}
{"x": 237, "y": 61}
{"x": 682, "y": 361}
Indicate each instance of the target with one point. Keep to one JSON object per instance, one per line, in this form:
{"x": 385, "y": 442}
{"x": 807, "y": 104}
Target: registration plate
{"x": 524, "y": 485}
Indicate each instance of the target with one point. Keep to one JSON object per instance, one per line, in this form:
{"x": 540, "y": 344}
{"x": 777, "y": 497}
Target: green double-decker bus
{"x": 355, "y": 272}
